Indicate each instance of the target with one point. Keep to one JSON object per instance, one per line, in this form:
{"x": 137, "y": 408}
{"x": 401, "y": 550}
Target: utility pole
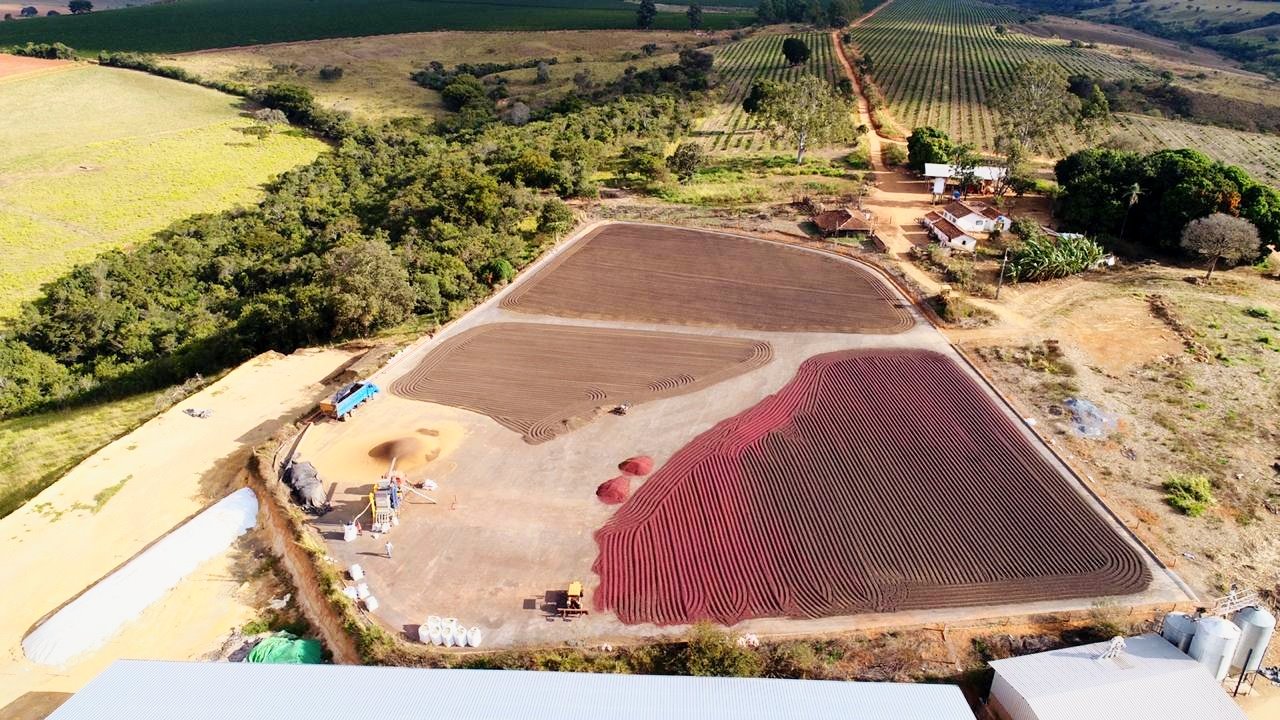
{"x": 1000, "y": 281}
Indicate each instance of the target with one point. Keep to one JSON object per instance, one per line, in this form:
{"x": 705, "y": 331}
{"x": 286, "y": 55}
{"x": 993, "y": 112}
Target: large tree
{"x": 928, "y": 145}
{"x": 694, "y": 14}
{"x": 795, "y": 50}
{"x": 79, "y": 7}
{"x": 808, "y": 112}
{"x": 1221, "y": 237}
{"x": 1036, "y": 104}
{"x": 646, "y": 14}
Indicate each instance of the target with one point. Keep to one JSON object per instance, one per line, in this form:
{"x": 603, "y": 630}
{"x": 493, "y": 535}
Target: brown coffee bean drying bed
{"x": 875, "y": 481}
{"x": 543, "y": 380}
{"x": 650, "y": 273}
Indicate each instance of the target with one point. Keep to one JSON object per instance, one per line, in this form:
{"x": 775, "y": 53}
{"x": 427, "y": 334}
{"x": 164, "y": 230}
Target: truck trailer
{"x": 348, "y": 399}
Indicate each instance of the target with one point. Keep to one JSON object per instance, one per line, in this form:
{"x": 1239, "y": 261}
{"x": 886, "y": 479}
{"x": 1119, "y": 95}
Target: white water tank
{"x": 1178, "y": 629}
{"x": 1256, "y": 627}
{"x": 1214, "y": 645}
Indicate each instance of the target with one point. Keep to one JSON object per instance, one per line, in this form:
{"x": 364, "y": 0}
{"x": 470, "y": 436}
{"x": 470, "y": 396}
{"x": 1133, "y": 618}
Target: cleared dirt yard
{"x": 544, "y": 380}
{"x": 515, "y": 522}
{"x": 652, "y": 273}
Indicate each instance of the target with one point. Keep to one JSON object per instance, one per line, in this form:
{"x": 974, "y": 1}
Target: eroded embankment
{"x": 653, "y": 273}
{"x": 543, "y": 380}
{"x": 875, "y": 481}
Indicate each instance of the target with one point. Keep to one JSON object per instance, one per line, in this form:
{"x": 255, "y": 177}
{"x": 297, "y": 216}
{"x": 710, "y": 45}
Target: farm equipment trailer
{"x": 348, "y": 399}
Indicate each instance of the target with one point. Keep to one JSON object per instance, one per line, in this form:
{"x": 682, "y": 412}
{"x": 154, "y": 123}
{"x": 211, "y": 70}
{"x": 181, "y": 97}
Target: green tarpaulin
{"x": 286, "y": 648}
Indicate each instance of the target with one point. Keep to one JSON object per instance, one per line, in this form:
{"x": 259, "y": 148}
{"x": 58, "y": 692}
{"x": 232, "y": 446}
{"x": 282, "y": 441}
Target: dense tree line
{"x": 1147, "y": 200}
{"x": 826, "y": 13}
{"x": 393, "y": 222}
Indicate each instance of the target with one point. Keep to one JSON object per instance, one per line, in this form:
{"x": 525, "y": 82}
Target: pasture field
{"x": 75, "y": 185}
{"x": 375, "y": 84}
{"x": 38, "y": 449}
{"x": 1259, "y": 153}
{"x": 740, "y": 64}
{"x": 940, "y": 62}
{"x": 203, "y": 24}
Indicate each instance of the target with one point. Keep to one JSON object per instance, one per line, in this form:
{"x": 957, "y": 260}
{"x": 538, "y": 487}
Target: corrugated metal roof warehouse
{"x": 1150, "y": 680}
{"x": 147, "y": 690}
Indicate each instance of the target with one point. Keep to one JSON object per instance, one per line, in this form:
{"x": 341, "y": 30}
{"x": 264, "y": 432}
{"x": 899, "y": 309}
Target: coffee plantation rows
{"x": 730, "y": 129}
{"x": 940, "y": 62}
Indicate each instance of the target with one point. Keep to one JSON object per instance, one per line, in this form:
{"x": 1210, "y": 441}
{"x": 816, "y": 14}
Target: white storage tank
{"x": 1215, "y": 644}
{"x": 1178, "y": 629}
{"x": 1256, "y": 627}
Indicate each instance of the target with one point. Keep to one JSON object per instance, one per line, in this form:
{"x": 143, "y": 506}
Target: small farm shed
{"x": 150, "y": 690}
{"x": 941, "y": 175}
{"x": 845, "y": 221}
{"x": 1149, "y": 679}
{"x": 947, "y": 234}
{"x": 975, "y": 217}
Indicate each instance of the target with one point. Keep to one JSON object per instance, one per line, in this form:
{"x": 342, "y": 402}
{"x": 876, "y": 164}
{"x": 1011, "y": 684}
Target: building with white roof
{"x": 1149, "y": 679}
{"x": 151, "y": 690}
{"x": 940, "y": 173}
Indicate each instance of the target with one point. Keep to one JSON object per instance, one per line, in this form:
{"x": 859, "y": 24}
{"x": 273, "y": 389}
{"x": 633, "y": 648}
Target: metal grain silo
{"x": 1178, "y": 629}
{"x": 1256, "y": 627}
{"x": 1214, "y": 644}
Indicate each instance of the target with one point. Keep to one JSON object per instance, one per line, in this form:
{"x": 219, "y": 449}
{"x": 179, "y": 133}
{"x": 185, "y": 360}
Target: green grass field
{"x": 37, "y": 450}
{"x": 201, "y": 24}
{"x": 114, "y": 157}
{"x": 731, "y": 130}
{"x": 939, "y": 62}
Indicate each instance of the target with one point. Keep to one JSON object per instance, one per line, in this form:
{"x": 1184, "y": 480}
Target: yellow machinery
{"x": 573, "y": 601}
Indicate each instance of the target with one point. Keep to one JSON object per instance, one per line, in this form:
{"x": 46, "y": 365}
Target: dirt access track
{"x": 545, "y": 380}
{"x": 514, "y": 523}
{"x": 876, "y": 481}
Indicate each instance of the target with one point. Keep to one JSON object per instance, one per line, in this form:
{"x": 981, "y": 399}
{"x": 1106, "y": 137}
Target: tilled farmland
{"x": 649, "y": 273}
{"x": 543, "y": 380}
{"x": 875, "y": 481}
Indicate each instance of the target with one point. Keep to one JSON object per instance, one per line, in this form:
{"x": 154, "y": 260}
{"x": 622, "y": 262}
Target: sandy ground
{"x": 514, "y": 523}
{"x": 64, "y": 540}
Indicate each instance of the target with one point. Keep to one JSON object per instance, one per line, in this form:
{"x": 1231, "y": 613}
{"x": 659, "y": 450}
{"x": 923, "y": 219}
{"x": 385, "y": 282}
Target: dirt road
{"x": 132, "y": 492}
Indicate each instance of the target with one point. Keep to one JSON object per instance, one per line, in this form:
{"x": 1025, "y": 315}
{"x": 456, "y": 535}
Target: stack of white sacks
{"x": 448, "y": 632}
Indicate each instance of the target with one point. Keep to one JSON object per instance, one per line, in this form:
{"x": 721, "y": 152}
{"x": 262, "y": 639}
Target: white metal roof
{"x": 1150, "y": 679}
{"x": 943, "y": 170}
{"x": 147, "y": 690}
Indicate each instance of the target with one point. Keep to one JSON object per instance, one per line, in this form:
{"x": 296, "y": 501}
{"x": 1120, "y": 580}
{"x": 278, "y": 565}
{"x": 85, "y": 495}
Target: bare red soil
{"x": 14, "y": 65}
{"x": 875, "y": 481}
{"x": 544, "y": 380}
{"x": 651, "y": 273}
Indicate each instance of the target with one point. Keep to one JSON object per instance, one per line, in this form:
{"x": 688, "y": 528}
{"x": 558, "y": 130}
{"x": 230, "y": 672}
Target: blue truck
{"x": 348, "y": 399}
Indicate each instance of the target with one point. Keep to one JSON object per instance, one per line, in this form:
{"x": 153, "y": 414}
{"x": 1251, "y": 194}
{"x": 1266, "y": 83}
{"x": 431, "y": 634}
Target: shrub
{"x": 686, "y": 160}
{"x": 895, "y": 154}
{"x": 330, "y": 73}
{"x": 712, "y": 652}
{"x": 1189, "y": 494}
{"x": 1040, "y": 257}
{"x": 47, "y": 51}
